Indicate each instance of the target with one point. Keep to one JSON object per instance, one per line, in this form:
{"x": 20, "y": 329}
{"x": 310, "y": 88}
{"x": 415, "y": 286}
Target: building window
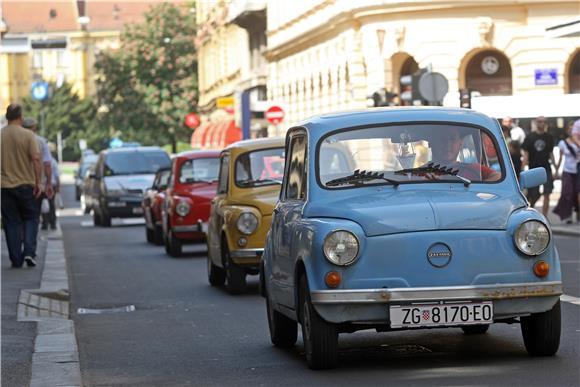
{"x": 61, "y": 58}
{"x": 37, "y": 59}
{"x": 490, "y": 73}
{"x": 574, "y": 74}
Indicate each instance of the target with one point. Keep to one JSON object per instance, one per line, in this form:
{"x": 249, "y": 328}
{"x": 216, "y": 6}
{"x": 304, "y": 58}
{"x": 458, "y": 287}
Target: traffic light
{"x": 465, "y": 98}
{"x": 409, "y": 86}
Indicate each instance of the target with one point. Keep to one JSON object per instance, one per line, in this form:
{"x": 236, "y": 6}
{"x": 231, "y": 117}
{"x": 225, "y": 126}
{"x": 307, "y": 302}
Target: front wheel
{"x": 541, "y": 332}
{"x": 173, "y": 245}
{"x": 320, "y": 337}
{"x": 215, "y": 275}
{"x": 149, "y": 234}
{"x": 235, "y": 275}
{"x": 283, "y": 330}
{"x": 157, "y": 235}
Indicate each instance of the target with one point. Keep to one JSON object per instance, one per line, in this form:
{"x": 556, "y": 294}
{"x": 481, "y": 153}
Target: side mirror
{"x": 533, "y": 178}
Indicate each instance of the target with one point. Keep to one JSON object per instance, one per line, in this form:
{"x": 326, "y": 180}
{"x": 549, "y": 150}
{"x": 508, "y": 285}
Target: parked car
{"x": 191, "y": 188}
{"x": 241, "y": 213}
{"x": 152, "y": 204}
{"x": 86, "y": 188}
{"x": 393, "y": 220}
{"x": 87, "y": 160}
{"x": 120, "y": 178}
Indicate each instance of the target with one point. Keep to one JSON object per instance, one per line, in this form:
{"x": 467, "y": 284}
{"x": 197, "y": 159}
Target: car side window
{"x": 224, "y": 175}
{"x": 296, "y": 179}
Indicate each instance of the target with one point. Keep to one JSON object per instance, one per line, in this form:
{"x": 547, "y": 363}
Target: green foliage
{"x": 146, "y": 88}
{"x": 66, "y": 112}
{"x": 181, "y": 147}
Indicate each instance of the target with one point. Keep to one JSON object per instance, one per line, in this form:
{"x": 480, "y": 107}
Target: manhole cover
{"x": 121, "y": 309}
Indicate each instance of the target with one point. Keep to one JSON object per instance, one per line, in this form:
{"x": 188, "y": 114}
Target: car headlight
{"x": 114, "y": 192}
{"x": 341, "y": 248}
{"x": 182, "y": 208}
{"x": 532, "y": 237}
{"x": 247, "y": 223}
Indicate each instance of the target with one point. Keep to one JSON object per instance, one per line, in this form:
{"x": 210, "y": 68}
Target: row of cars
{"x": 385, "y": 219}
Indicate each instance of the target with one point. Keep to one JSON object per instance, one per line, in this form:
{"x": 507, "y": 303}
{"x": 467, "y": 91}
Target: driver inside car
{"x": 445, "y": 148}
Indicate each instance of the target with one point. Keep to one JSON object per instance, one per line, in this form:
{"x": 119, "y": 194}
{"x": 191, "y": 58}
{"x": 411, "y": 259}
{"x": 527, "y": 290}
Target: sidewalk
{"x": 558, "y": 226}
{"x": 38, "y": 340}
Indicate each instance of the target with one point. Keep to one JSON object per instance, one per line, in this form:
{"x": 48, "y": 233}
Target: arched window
{"x": 490, "y": 73}
{"x": 574, "y": 74}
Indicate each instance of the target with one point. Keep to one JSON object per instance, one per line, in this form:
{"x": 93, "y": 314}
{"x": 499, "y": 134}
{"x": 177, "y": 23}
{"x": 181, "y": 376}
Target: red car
{"x": 192, "y": 186}
{"x": 152, "y": 204}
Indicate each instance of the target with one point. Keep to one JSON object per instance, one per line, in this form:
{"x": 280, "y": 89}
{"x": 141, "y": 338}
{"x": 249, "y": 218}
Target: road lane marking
{"x": 570, "y": 299}
{"x": 116, "y": 222}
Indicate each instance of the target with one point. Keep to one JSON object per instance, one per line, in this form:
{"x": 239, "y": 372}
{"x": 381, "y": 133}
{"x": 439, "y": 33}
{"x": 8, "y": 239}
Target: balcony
{"x": 248, "y": 14}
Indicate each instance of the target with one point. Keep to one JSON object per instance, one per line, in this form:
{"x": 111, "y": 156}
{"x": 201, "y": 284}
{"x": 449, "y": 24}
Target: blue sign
{"x": 546, "y": 77}
{"x": 39, "y": 91}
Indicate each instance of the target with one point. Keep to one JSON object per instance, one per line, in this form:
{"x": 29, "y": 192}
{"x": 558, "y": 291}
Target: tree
{"x": 148, "y": 86}
{"x": 66, "y": 112}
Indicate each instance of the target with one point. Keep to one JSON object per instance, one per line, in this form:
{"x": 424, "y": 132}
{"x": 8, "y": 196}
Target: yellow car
{"x": 249, "y": 184}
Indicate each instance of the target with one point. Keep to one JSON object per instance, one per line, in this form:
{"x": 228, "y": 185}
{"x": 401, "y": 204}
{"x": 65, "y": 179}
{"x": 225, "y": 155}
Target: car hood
{"x": 198, "y": 191}
{"x": 263, "y": 199}
{"x": 407, "y": 211}
{"x": 129, "y": 183}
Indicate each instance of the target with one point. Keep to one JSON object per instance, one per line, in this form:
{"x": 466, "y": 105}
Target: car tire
{"x": 320, "y": 337}
{"x": 173, "y": 245}
{"x": 541, "y": 332}
{"x": 77, "y": 193}
{"x": 215, "y": 274}
{"x": 475, "y": 329}
{"x": 235, "y": 275}
{"x": 149, "y": 234}
{"x": 105, "y": 220}
{"x": 157, "y": 235}
{"x": 283, "y": 330}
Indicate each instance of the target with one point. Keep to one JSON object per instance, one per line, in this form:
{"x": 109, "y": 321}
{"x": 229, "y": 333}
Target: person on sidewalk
{"x": 512, "y": 132}
{"x": 49, "y": 218}
{"x": 47, "y": 192}
{"x": 20, "y": 173}
{"x": 570, "y": 196}
{"x": 538, "y": 150}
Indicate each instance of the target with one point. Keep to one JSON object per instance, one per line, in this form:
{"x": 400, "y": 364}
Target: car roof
{"x": 133, "y": 149}
{"x": 196, "y": 154}
{"x": 258, "y": 143}
{"x": 400, "y": 114}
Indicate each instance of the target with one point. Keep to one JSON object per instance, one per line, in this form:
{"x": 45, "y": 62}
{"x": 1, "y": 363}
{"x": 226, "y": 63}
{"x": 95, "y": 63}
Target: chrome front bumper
{"x": 198, "y": 227}
{"x": 246, "y": 257}
{"x": 371, "y": 306}
{"x": 429, "y": 294}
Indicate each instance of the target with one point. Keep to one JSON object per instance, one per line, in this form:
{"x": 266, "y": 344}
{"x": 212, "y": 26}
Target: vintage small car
{"x": 152, "y": 204}
{"x": 248, "y": 188}
{"x": 192, "y": 186}
{"x": 393, "y": 219}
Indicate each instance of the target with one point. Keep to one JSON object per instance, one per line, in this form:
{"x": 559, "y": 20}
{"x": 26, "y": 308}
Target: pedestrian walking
{"x": 20, "y": 185}
{"x": 511, "y": 131}
{"x": 538, "y": 149}
{"x": 516, "y": 156}
{"x": 570, "y": 196}
{"x": 49, "y": 218}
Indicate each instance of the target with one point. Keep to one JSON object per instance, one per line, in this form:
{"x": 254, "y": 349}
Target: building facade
{"x": 518, "y": 58}
{"x": 58, "y": 41}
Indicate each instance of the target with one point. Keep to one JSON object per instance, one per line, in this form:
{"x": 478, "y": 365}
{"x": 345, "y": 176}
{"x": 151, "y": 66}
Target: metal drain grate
{"x": 121, "y": 309}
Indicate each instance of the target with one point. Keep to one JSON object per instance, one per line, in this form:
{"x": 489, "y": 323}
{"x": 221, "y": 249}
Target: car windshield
{"x": 408, "y": 154}
{"x": 137, "y": 162}
{"x": 199, "y": 170}
{"x": 261, "y": 167}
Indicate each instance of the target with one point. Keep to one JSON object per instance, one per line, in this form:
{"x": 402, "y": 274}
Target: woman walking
{"x": 570, "y": 197}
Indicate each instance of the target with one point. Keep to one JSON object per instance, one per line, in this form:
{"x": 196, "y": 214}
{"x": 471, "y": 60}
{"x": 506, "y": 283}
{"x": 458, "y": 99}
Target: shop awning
{"x": 216, "y": 135}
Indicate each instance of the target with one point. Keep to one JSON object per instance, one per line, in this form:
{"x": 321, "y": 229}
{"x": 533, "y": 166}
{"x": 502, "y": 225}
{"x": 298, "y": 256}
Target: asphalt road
{"x": 184, "y": 332}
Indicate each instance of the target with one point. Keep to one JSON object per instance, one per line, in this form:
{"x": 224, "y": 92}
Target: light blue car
{"x": 393, "y": 219}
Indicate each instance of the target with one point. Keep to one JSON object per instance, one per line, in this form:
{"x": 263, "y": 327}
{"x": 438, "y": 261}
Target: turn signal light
{"x": 332, "y": 279}
{"x": 541, "y": 268}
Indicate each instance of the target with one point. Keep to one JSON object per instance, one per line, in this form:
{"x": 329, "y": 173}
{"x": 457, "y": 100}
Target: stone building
{"x": 519, "y": 58}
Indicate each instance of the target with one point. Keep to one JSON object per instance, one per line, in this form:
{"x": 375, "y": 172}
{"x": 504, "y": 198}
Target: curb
{"x": 55, "y": 360}
{"x": 565, "y": 231}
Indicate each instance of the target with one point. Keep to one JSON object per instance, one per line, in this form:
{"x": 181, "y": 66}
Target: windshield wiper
{"x": 434, "y": 169}
{"x": 358, "y": 177}
{"x": 249, "y": 182}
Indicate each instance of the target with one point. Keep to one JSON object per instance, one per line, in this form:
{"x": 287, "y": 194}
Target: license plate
{"x": 425, "y": 315}
{"x": 137, "y": 210}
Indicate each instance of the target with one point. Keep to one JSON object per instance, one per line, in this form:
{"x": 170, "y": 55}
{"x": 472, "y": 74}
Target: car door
{"x": 216, "y": 218}
{"x": 287, "y": 213}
